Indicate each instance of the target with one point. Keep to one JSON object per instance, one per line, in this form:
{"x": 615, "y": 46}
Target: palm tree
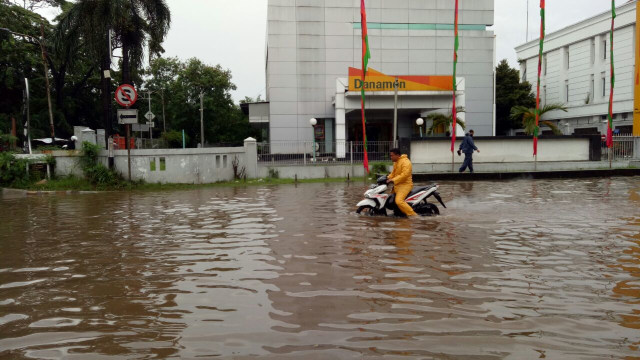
{"x": 134, "y": 24}
{"x": 444, "y": 120}
{"x": 528, "y": 117}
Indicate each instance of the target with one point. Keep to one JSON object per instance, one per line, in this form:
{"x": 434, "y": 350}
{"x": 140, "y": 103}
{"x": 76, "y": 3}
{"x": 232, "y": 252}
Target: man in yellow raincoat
{"x": 401, "y": 177}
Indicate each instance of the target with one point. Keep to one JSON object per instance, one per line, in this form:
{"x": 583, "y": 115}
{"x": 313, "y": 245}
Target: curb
{"x": 571, "y": 174}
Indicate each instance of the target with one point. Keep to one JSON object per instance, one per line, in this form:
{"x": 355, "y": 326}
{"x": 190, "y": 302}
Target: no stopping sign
{"x": 126, "y": 95}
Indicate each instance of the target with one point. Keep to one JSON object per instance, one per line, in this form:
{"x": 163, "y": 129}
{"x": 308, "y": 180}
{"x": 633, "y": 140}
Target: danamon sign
{"x": 377, "y": 81}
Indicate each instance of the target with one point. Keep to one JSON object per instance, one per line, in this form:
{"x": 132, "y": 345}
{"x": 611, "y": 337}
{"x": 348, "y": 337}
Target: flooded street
{"x": 512, "y": 270}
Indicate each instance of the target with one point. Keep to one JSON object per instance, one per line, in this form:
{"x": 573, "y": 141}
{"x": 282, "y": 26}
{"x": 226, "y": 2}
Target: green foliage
{"x": 94, "y": 171}
{"x": 173, "y": 139}
{"x": 13, "y": 172}
{"x": 179, "y": 85}
{"x": 446, "y": 121}
{"x": 510, "y": 92}
{"x": 379, "y": 168}
{"x": 527, "y": 117}
{"x": 274, "y": 174}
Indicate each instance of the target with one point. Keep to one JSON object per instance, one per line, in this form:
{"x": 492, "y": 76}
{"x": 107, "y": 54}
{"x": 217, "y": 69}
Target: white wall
{"x": 503, "y": 151}
{"x": 583, "y": 65}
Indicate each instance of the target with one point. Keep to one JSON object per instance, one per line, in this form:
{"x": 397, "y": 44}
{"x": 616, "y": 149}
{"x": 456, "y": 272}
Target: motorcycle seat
{"x": 415, "y": 190}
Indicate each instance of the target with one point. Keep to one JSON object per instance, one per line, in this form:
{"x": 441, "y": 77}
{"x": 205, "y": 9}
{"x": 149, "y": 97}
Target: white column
{"x": 341, "y": 119}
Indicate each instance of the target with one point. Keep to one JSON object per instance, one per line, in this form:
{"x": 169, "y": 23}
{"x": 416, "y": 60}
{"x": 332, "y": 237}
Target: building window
{"x": 524, "y": 71}
{"x": 566, "y": 90}
{"x": 566, "y": 57}
{"x": 603, "y": 80}
{"x": 544, "y": 63}
{"x": 591, "y": 90}
{"x": 593, "y": 51}
{"x": 544, "y": 95}
{"x": 604, "y": 49}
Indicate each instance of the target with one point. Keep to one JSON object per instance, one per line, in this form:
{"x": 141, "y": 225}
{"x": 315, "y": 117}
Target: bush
{"x": 379, "y": 168}
{"x": 13, "y": 171}
{"x": 174, "y": 139}
{"x": 95, "y": 172}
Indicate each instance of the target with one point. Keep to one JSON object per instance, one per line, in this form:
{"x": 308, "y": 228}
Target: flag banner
{"x": 613, "y": 80}
{"x": 366, "y": 54}
{"x": 454, "y": 112}
{"x": 537, "y": 128}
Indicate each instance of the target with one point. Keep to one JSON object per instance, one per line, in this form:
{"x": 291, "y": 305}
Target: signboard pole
{"x": 395, "y": 113}
{"x": 129, "y": 150}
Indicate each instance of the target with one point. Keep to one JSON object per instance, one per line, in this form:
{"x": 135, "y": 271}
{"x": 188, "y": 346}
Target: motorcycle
{"x": 377, "y": 202}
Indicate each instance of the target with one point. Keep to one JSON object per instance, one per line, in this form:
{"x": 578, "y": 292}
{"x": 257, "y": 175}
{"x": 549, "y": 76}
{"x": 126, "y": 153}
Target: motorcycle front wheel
{"x": 368, "y": 210}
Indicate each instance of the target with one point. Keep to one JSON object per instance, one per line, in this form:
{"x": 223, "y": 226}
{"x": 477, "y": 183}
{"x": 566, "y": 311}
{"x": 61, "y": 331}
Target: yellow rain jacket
{"x": 403, "y": 183}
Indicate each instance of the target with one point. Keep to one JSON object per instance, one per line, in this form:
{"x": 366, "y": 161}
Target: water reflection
{"x": 518, "y": 269}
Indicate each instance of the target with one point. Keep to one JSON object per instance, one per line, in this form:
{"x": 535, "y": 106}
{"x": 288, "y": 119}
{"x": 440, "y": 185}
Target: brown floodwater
{"x": 521, "y": 269}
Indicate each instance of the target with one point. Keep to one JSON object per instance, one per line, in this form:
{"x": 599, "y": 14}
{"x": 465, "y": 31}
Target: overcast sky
{"x": 232, "y": 32}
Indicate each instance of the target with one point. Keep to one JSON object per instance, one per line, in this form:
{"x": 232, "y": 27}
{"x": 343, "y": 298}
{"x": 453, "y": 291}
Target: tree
{"x": 527, "y": 117}
{"x": 182, "y": 83}
{"x": 445, "y": 121}
{"x": 510, "y": 92}
{"x": 135, "y": 25}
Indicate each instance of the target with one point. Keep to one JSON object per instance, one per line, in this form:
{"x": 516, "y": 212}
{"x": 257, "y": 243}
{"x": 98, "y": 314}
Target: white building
{"x": 576, "y": 72}
{"x": 312, "y": 44}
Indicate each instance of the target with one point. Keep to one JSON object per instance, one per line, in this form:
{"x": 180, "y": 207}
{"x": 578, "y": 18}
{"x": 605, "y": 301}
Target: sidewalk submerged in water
{"x": 548, "y": 170}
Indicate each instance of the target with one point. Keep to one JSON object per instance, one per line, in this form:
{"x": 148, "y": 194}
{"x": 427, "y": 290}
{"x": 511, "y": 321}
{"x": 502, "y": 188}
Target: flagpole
{"x": 536, "y": 130}
{"x": 454, "y": 111}
{"x": 613, "y": 80}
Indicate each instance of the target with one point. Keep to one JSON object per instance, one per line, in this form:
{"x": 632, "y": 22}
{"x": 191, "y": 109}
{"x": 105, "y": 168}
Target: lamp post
{"x": 46, "y": 73}
{"x": 313, "y": 123}
{"x": 420, "y": 122}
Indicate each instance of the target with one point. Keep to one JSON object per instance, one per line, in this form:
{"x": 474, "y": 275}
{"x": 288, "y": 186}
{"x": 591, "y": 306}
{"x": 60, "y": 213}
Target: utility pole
{"x": 43, "y": 51}
{"x": 164, "y": 121}
{"x": 395, "y": 114}
{"x": 527, "y": 39}
{"x": 202, "y": 119}
{"x": 46, "y": 78}
{"x": 149, "y": 122}
{"x": 26, "y": 105}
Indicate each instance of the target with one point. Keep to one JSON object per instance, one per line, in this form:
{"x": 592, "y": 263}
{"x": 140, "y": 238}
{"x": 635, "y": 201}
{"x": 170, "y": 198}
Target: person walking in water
{"x": 403, "y": 182}
{"x": 467, "y": 147}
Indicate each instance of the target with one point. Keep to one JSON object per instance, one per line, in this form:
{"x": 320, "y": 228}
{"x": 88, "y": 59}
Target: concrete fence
{"x": 208, "y": 165}
{"x": 180, "y": 166}
{"x": 511, "y": 149}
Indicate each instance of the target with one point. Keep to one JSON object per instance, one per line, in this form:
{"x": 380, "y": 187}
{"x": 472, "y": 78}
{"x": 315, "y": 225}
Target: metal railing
{"x": 622, "y": 148}
{"x": 141, "y": 143}
{"x": 326, "y": 153}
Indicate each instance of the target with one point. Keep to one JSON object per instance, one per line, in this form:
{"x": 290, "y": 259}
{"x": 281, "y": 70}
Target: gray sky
{"x": 232, "y": 32}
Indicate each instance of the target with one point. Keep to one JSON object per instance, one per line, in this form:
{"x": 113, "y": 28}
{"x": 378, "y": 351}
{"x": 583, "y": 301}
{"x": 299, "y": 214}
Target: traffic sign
{"x": 149, "y": 115}
{"x": 126, "y": 95}
{"x": 151, "y": 124}
{"x": 127, "y": 116}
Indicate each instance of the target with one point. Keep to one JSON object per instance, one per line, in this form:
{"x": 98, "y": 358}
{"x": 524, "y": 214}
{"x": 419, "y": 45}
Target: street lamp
{"x": 46, "y": 73}
{"x": 420, "y": 122}
{"x": 313, "y": 123}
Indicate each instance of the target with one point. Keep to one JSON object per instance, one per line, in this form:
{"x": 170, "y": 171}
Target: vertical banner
{"x": 365, "y": 61}
{"x": 636, "y": 98}
{"x": 454, "y": 112}
{"x": 537, "y": 128}
{"x": 613, "y": 79}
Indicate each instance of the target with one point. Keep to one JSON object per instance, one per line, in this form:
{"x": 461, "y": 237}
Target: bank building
{"x": 313, "y": 69}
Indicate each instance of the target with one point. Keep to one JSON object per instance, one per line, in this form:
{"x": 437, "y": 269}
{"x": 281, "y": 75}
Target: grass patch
{"x": 80, "y": 184}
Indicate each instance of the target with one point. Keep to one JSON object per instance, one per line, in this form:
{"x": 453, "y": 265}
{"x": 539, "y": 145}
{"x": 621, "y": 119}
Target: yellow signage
{"x": 377, "y": 81}
{"x": 636, "y": 100}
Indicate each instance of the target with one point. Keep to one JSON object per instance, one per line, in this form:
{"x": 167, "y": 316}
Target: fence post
{"x": 351, "y": 153}
{"x": 636, "y": 148}
{"x": 304, "y": 148}
{"x": 251, "y": 157}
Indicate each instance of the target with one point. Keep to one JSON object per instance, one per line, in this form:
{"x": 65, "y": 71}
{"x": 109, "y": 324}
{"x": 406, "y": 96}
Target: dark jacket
{"x": 467, "y": 146}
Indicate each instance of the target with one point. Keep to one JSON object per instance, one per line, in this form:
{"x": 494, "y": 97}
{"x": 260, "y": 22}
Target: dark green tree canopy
{"x": 510, "y": 92}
